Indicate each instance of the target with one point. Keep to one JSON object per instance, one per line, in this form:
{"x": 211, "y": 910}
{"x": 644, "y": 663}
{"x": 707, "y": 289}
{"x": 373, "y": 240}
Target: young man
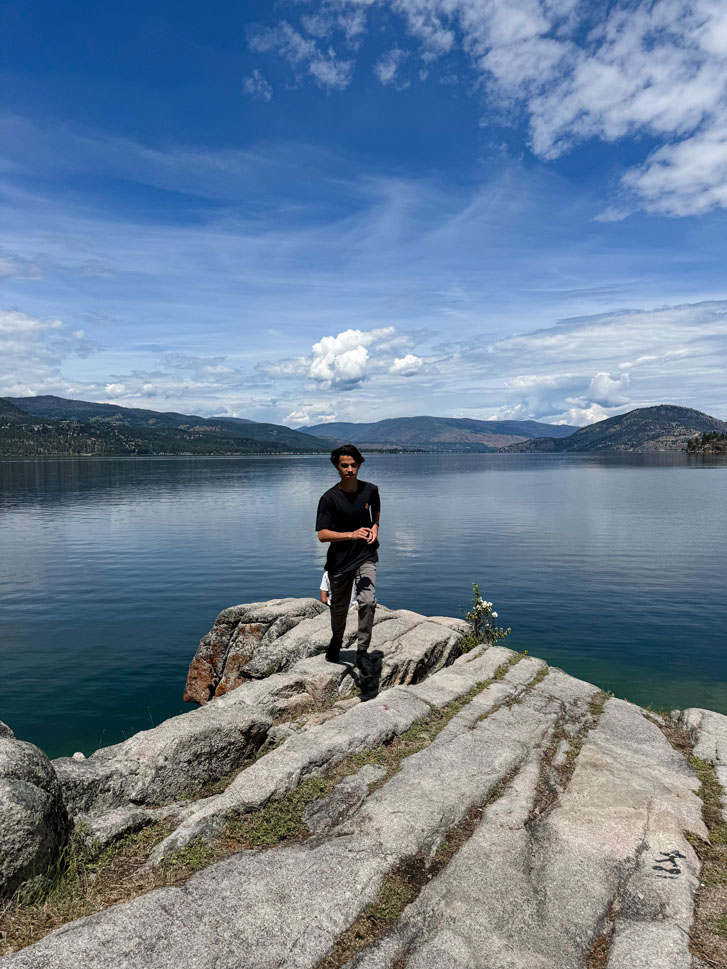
{"x": 348, "y": 518}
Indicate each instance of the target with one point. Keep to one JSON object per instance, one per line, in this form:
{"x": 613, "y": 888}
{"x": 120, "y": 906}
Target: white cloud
{"x": 578, "y": 71}
{"x": 309, "y": 414}
{"x": 331, "y": 72}
{"x": 606, "y": 390}
{"x": 687, "y": 178}
{"x": 257, "y": 86}
{"x": 33, "y": 351}
{"x": 115, "y": 390}
{"x": 340, "y": 361}
{"x": 387, "y": 68}
{"x": 407, "y": 365}
{"x": 304, "y": 54}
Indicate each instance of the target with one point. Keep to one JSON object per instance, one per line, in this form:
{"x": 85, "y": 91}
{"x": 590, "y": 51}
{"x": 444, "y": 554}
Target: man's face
{"x": 347, "y": 468}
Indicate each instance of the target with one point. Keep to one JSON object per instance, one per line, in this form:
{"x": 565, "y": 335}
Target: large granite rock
{"x": 709, "y": 733}
{"x": 551, "y": 854}
{"x": 537, "y": 824}
{"x": 223, "y": 658}
{"x": 33, "y": 820}
{"x": 168, "y": 762}
{"x": 173, "y": 761}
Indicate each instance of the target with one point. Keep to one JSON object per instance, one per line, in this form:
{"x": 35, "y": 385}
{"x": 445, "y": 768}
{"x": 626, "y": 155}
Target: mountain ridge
{"x": 51, "y": 407}
{"x": 435, "y": 433}
{"x": 664, "y": 427}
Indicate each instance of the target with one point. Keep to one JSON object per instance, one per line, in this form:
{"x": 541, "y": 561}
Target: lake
{"x": 609, "y": 566}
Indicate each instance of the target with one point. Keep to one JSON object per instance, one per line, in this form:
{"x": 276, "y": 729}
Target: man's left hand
{"x": 373, "y": 534}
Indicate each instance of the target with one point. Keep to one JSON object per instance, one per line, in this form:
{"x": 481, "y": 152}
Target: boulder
{"x": 33, "y": 821}
{"x": 708, "y": 730}
{"x": 169, "y": 762}
{"x": 235, "y": 637}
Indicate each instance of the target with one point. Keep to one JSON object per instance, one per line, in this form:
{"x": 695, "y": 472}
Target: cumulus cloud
{"x": 407, "y": 365}
{"x": 577, "y": 70}
{"x": 257, "y": 87}
{"x": 308, "y": 414}
{"x": 340, "y": 361}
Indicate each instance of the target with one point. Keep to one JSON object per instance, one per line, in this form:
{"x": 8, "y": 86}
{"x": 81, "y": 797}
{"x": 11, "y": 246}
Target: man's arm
{"x": 327, "y": 535}
{"x": 375, "y": 516}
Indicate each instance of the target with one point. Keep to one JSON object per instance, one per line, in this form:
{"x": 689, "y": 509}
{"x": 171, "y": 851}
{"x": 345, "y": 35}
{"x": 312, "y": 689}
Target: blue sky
{"x": 354, "y": 209}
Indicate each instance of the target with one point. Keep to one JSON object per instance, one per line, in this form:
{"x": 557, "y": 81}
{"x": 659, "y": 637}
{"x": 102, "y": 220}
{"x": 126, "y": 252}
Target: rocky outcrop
{"x": 168, "y": 762}
{"x": 33, "y": 820}
{"x": 224, "y": 655}
{"x": 482, "y": 811}
{"x": 174, "y": 761}
{"x": 709, "y": 733}
{"x": 543, "y": 811}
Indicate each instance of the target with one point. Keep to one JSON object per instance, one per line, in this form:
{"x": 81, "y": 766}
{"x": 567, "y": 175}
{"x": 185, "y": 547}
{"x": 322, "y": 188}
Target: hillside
{"x": 9, "y": 411}
{"x": 437, "y": 433}
{"x": 23, "y": 435}
{"x": 709, "y": 442}
{"x": 277, "y": 436}
{"x": 662, "y": 428}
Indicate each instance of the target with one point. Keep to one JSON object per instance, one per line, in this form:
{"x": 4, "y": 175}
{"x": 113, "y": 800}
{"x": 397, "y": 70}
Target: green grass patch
{"x": 84, "y": 880}
{"x": 281, "y": 819}
{"x": 391, "y": 899}
{"x": 195, "y": 855}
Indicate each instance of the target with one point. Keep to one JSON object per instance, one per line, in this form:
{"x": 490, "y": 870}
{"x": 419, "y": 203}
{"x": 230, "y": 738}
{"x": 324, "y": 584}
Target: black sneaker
{"x": 333, "y": 653}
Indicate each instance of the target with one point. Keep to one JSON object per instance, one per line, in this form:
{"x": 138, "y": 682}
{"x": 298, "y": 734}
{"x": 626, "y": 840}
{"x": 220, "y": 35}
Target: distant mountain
{"x": 9, "y": 411}
{"x": 27, "y": 435}
{"x": 437, "y": 433}
{"x": 662, "y": 428}
{"x": 273, "y": 437}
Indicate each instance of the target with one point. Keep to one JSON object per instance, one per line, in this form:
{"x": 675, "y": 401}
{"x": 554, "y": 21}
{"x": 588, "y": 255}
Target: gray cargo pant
{"x": 341, "y": 584}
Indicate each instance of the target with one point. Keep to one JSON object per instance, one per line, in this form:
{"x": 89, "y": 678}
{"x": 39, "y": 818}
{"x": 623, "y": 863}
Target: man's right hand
{"x": 361, "y": 533}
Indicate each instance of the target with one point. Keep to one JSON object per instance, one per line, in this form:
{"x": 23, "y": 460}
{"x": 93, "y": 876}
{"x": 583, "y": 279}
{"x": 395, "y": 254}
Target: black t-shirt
{"x": 345, "y": 511}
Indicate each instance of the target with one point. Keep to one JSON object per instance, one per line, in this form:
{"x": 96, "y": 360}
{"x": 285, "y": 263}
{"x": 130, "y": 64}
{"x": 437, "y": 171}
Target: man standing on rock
{"x": 348, "y": 518}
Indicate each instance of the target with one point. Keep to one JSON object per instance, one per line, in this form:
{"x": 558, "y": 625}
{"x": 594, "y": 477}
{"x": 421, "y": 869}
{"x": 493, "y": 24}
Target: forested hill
{"x": 665, "y": 427}
{"x": 26, "y": 435}
{"x": 135, "y": 430}
{"x": 437, "y": 433}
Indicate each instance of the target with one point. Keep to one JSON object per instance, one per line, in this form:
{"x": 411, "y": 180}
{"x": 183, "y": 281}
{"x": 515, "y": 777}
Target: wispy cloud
{"x": 303, "y": 54}
{"x": 257, "y": 86}
{"x": 390, "y": 295}
{"x": 576, "y": 70}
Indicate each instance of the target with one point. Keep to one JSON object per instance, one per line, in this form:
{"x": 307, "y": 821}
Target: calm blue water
{"x": 111, "y": 570}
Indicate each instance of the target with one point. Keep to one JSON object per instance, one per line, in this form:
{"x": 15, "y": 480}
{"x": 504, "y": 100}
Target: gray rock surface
{"x": 176, "y": 759}
{"x": 168, "y": 762}
{"x": 543, "y": 812}
{"x": 363, "y": 727}
{"x": 33, "y": 821}
{"x": 238, "y": 632}
{"x": 709, "y": 733}
{"x": 345, "y": 798}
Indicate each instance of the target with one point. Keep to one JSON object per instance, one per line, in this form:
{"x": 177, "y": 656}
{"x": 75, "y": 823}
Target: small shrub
{"x": 480, "y": 619}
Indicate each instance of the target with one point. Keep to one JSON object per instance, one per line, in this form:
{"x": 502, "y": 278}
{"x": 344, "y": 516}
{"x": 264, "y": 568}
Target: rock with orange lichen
{"x": 227, "y": 649}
